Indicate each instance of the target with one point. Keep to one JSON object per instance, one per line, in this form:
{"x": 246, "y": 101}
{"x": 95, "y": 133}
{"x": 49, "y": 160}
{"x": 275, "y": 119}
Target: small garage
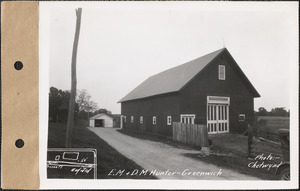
{"x": 101, "y": 120}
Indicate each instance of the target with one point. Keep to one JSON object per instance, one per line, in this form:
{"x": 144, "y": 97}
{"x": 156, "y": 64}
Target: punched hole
{"x": 18, "y": 65}
{"x": 19, "y": 143}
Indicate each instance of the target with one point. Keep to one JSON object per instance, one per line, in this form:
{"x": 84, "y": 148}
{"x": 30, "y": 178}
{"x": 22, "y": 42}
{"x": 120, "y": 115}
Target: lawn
{"x": 231, "y": 151}
{"x": 107, "y": 157}
{"x": 228, "y": 151}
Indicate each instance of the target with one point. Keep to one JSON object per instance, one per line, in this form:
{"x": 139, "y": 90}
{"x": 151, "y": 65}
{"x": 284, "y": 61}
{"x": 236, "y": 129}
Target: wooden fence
{"x": 260, "y": 145}
{"x": 191, "y": 134}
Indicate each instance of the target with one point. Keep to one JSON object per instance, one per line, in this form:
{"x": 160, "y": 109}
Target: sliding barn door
{"x": 217, "y": 114}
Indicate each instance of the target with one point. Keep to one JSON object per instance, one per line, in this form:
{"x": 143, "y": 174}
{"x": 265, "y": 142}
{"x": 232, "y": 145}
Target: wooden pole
{"x": 250, "y": 140}
{"x": 70, "y": 124}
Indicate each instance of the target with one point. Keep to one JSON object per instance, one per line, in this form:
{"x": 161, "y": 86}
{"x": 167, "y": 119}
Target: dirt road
{"x": 163, "y": 161}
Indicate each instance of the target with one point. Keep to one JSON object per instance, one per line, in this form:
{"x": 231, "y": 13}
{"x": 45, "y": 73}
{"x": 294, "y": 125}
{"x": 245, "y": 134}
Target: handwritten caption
{"x": 145, "y": 172}
{"x": 262, "y": 161}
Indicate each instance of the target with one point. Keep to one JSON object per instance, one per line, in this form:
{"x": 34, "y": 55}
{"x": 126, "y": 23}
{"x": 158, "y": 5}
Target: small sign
{"x": 72, "y": 163}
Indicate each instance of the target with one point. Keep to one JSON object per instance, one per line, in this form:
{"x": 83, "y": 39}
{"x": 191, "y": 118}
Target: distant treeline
{"x": 278, "y": 111}
{"x": 59, "y": 105}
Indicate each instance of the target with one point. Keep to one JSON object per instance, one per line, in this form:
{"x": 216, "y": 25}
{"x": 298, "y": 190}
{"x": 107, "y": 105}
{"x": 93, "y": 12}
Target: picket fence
{"x": 191, "y": 134}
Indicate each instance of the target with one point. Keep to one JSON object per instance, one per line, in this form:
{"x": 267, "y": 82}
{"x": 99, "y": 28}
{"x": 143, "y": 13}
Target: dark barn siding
{"x": 193, "y": 97}
{"x": 159, "y": 106}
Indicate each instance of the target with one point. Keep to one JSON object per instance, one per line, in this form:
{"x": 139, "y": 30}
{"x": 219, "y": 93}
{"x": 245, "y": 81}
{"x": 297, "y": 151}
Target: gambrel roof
{"x": 174, "y": 79}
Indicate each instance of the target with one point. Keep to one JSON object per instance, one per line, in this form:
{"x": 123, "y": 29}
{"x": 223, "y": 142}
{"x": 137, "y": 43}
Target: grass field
{"x": 107, "y": 157}
{"x": 273, "y": 123}
{"x": 267, "y": 126}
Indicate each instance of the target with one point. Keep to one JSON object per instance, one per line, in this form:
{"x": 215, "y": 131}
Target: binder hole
{"x": 19, "y": 143}
{"x": 18, "y": 65}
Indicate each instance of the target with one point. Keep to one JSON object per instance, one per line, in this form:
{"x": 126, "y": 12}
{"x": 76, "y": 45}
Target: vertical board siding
{"x": 192, "y": 134}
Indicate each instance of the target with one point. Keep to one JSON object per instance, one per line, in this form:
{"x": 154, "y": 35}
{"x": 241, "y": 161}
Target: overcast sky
{"x": 123, "y": 43}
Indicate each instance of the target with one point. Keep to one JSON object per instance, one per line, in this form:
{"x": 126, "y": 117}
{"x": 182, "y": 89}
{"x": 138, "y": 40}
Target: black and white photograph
{"x": 169, "y": 91}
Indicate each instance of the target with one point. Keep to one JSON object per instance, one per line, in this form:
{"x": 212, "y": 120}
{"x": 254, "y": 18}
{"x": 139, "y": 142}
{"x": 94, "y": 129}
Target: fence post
{"x": 250, "y": 140}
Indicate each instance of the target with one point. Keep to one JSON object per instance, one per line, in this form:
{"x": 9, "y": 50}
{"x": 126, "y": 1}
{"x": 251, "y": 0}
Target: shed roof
{"x": 174, "y": 79}
{"x": 99, "y": 115}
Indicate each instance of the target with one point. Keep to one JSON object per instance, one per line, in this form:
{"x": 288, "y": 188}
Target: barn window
{"x": 131, "y": 119}
{"x": 141, "y": 119}
{"x": 154, "y": 120}
{"x": 221, "y": 72}
{"x": 169, "y": 120}
{"x": 242, "y": 117}
{"x": 187, "y": 118}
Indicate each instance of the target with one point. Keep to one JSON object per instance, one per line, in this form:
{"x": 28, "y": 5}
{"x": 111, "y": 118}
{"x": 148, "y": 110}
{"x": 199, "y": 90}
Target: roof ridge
{"x": 172, "y": 79}
{"x": 221, "y": 50}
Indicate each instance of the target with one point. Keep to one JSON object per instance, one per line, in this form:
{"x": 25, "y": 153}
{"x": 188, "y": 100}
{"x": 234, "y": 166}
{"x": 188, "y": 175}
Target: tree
{"x": 102, "y": 111}
{"x": 279, "y": 111}
{"x": 58, "y": 104}
{"x": 73, "y": 81}
{"x": 84, "y": 101}
{"x": 262, "y": 111}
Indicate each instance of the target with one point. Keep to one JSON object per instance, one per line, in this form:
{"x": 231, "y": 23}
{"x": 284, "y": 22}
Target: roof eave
{"x": 157, "y": 95}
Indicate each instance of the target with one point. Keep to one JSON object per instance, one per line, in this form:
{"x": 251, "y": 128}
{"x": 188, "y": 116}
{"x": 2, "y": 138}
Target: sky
{"x": 123, "y": 43}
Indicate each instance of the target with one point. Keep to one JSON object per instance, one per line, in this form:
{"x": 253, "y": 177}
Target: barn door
{"x": 217, "y": 115}
{"x": 217, "y": 118}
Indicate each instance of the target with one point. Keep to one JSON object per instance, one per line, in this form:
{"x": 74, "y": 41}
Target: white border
{"x": 156, "y": 184}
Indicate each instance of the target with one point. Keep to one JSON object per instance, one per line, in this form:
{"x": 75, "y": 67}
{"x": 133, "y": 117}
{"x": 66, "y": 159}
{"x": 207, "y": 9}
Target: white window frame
{"x": 154, "y": 120}
{"x": 169, "y": 120}
{"x": 242, "y": 115}
{"x": 184, "y": 116}
{"x": 141, "y": 119}
{"x": 219, "y": 71}
{"x": 132, "y": 119}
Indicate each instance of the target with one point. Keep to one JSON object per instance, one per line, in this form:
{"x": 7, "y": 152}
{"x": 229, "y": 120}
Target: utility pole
{"x": 70, "y": 124}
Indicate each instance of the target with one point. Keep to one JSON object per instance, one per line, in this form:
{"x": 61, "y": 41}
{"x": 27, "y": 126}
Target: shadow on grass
{"x": 107, "y": 157}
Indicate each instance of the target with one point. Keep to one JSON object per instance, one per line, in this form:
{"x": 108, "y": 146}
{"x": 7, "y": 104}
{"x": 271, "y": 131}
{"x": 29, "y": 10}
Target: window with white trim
{"x": 154, "y": 120}
{"x": 169, "y": 120}
{"x": 187, "y": 118}
{"x": 242, "y": 117}
{"x": 131, "y": 119}
{"x": 141, "y": 119}
{"x": 221, "y": 72}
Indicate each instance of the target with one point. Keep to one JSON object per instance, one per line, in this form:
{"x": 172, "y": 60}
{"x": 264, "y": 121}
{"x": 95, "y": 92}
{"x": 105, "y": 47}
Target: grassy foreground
{"x": 107, "y": 157}
{"x": 229, "y": 151}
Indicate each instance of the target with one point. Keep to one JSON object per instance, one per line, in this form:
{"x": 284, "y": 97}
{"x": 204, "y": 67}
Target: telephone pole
{"x": 70, "y": 124}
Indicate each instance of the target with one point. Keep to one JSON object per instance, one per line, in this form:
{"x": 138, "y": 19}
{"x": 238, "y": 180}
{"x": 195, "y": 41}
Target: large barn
{"x": 210, "y": 90}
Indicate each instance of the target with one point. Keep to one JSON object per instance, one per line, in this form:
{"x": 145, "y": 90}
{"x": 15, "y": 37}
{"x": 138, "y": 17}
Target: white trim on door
{"x": 187, "y": 118}
{"x": 217, "y": 112}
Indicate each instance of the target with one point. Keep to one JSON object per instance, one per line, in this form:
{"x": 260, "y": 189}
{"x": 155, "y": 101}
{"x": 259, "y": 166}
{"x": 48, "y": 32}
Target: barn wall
{"x": 193, "y": 97}
{"x": 160, "y": 106}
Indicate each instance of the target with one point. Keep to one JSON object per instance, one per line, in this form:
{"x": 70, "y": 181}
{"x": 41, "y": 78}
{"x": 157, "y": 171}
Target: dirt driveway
{"x": 164, "y": 161}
